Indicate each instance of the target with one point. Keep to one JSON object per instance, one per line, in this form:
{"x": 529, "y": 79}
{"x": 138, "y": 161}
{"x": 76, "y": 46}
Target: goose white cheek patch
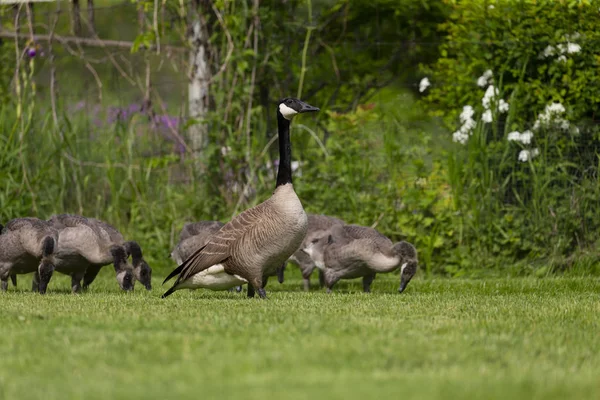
{"x": 287, "y": 112}
{"x": 402, "y": 267}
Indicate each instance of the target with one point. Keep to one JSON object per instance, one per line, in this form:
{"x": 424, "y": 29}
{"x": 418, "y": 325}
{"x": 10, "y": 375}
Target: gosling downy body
{"x": 352, "y": 251}
{"x": 82, "y": 245}
{"x": 256, "y": 242}
{"x": 141, "y": 270}
{"x": 317, "y": 224}
{"x": 27, "y": 245}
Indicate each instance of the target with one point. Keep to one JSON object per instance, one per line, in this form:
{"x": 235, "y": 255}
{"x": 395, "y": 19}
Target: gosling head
{"x": 408, "y": 253}
{"x": 290, "y": 107}
{"x": 315, "y": 246}
{"x": 141, "y": 270}
{"x": 123, "y": 269}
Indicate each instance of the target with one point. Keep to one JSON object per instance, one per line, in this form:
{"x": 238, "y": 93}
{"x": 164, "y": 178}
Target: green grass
{"x": 492, "y": 339}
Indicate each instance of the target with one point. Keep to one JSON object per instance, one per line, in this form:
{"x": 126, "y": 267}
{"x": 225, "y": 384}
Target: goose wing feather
{"x": 218, "y": 247}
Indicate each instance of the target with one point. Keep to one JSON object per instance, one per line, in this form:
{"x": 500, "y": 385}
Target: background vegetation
{"x": 102, "y": 131}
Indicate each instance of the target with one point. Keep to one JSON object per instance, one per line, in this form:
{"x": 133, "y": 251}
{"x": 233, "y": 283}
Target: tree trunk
{"x": 75, "y": 18}
{"x": 198, "y": 89}
{"x": 90, "y": 13}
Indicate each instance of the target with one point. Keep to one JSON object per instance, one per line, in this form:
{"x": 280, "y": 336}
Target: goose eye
{"x": 314, "y": 240}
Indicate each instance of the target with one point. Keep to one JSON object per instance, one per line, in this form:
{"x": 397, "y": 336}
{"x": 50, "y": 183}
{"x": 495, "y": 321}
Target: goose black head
{"x": 407, "y": 271}
{"x": 290, "y": 107}
{"x": 408, "y": 254}
{"x": 141, "y": 270}
{"x": 123, "y": 269}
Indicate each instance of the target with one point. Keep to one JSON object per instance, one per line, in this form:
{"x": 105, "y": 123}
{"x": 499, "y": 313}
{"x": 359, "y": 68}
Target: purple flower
{"x": 31, "y": 52}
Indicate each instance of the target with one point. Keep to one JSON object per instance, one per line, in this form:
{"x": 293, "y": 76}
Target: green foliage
{"x": 541, "y": 55}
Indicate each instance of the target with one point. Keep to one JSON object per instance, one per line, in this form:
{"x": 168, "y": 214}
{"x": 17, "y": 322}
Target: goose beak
{"x": 305, "y": 107}
{"x": 403, "y": 284}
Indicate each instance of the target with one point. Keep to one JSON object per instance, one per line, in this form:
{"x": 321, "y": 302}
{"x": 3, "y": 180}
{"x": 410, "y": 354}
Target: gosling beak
{"x": 305, "y": 107}
{"x": 403, "y": 284}
{"x": 149, "y": 286}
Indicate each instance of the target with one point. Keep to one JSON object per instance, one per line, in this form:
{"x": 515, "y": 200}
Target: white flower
{"x": 483, "y": 79}
{"x": 466, "y": 114}
{"x": 564, "y": 124}
{"x": 468, "y": 126}
{"x": 555, "y": 108}
{"x": 490, "y": 93}
{"x": 491, "y": 6}
{"x": 573, "y": 48}
{"x": 524, "y": 155}
{"x": 487, "y": 116}
{"x": 424, "y": 84}
{"x": 526, "y": 137}
{"x": 562, "y": 58}
{"x": 514, "y": 136}
{"x": 548, "y": 51}
{"x": 535, "y": 152}
{"x": 460, "y": 137}
{"x": 225, "y": 150}
{"x": 502, "y": 106}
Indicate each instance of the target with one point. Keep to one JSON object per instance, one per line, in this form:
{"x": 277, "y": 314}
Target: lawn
{"x": 441, "y": 339}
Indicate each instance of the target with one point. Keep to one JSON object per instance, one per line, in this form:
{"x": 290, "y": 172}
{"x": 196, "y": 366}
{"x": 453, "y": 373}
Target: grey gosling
{"x": 316, "y": 223}
{"x": 256, "y": 242}
{"x": 82, "y": 245}
{"x": 27, "y": 245}
{"x": 141, "y": 270}
{"x": 352, "y": 251}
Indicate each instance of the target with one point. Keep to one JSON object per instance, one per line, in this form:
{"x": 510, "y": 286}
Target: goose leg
{"x": 76, "y": 282}
{"x": 262, "y": 293}
{"x": 306, "y": 284}
{"x": 306, "y": 272}
{"x": 367, "y": 280}
{"x": 4, "y": 284}
{"x": 35, "y": 282}
{"x": 321, "y": 278}
{"x": 90, "y": 275}
{"x": 13, "y": 279}
{"x": 250, "y": 290}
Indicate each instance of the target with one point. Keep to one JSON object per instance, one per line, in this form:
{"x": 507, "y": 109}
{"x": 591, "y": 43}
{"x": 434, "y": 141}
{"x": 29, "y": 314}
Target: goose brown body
{"x": 83, "y": 245}
{"x": 352, "y": 251}
{"x": 27, "y": 245}
{"x": 254, "y": 244}
{"x": 317, "y": 224}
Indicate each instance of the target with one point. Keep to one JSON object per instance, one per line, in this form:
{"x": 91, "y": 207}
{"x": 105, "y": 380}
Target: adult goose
{"x": 27, "y": 245}
{"x": 317, "y": 223}
{"x": 82, "y": 245}
{"x": 353, "y": 251}
{"x": 256, "y": 242}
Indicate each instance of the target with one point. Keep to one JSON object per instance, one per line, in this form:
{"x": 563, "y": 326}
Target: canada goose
{"x": 82, "y": 245}
{"x": 27, "y": 245}
{"x": 256, "y": 242}
{"x": 317, "y": 223}
{"x": 353, "y": 251}
{"x": 141, "y": 270}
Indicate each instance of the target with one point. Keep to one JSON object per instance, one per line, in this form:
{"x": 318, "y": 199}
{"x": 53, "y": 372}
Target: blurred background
{"x": 468, "y": 128}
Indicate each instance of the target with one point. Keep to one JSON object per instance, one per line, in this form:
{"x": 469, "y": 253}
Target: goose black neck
{"x": 284, "y": 173}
